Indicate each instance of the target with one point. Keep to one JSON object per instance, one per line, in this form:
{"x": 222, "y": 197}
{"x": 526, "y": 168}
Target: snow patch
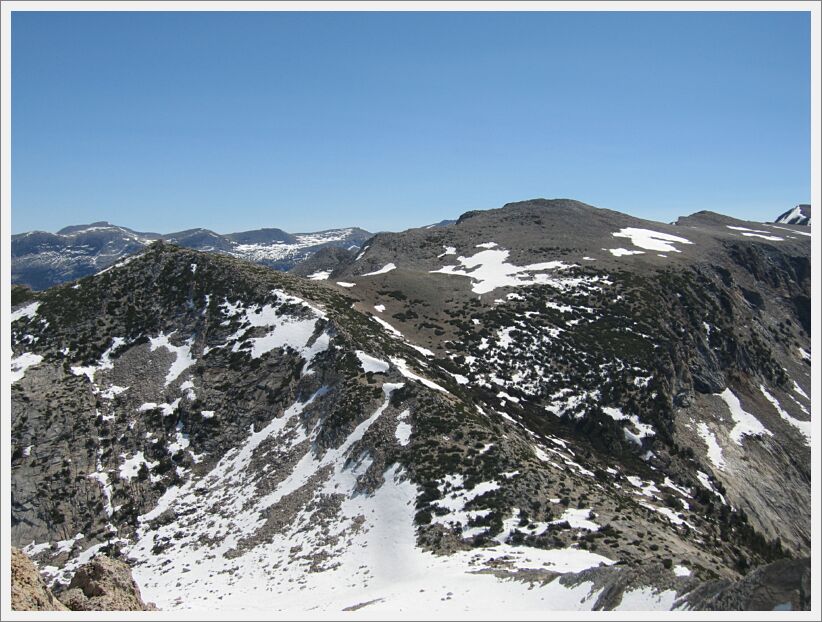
{"x": 403, "y": 431}
{"x": 402, "y": 367}
{"x": 29, "y": 311}
{"x": 21, "y": 363}
{"x": 706, "y": 482}
{"x": 756, "y": 233}
{"x": 621, "y": 252}
{"x": 320, "y": 275}
{"x": 652, "y": 240}
{"x": 682, "y": 571}
{"x": 131, "y": 466}
{"x": 182, "y": 354}
{"x": 489, "y": 270}
{"x": 105, "y": 362}
{"x": 640, "y": 430}
{"x": 804, "y": 427}
{"x": 387, "y": 326}
{"x": 371, "y": 364}
{"x": 646, "y": 598}
{"x": 714, "y": 450}
{"x": 386, "y": 268}
{"x": 745, "y": 423}
{"x": 284, "y": 330}
{"x": 798, "y": 389}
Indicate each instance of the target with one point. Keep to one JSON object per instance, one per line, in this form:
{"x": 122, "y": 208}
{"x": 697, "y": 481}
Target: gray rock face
{"x": 784, "y": 585}
{"x": 508, "y": 396}
{"x": 324, "y": 262}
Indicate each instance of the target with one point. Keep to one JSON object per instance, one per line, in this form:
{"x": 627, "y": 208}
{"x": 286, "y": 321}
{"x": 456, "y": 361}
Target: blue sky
{"x": 305, "y": 121}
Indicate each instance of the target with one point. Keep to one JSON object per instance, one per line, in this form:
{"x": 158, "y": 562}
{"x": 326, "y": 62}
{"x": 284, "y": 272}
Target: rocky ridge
{"x": 497, "y": 398}
{"x": 102, "y": 584}
{"x": 28, "y": 589}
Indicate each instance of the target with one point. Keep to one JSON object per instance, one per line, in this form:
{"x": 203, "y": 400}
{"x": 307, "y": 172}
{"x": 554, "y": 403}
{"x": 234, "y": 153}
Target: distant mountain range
{"x": 41, "y": 260}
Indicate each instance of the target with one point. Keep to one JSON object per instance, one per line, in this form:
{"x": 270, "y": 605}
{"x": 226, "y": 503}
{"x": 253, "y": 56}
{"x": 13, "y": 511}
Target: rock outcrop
{"x": 104, "y": 584}
{"x": 784, "y": 585}
{"x": 28, "y": 590}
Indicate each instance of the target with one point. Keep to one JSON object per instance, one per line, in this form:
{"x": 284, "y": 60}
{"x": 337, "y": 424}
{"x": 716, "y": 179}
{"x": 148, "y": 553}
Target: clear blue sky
{"x": 306, "y": 121}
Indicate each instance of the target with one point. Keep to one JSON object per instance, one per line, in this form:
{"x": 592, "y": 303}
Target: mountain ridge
{"x": 474, "y": 409}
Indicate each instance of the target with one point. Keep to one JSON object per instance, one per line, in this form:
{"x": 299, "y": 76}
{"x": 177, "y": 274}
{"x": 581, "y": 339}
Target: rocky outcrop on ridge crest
{"x": 28, "y": 589}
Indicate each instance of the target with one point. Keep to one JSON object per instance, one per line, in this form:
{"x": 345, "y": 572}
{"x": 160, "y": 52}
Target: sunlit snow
{"x": 386, "y": 268}
{"x": 28, "y": 311}
{"x": 182, "y": 355}
{"x": 320, "y": 275}
{"x": 402, "y": 366}
{"x": 621, "y": 252}
{"x": 371, "y": 364}
{"x": 756, "y": 233}
{"x": 714, "y": 450}
{"x": 745, "y": 423}
{"x": 803, "y": 426}
{"x": 652, "y": 240}
{"x": 490, "y": 270}
{"x": 21, "y": 363}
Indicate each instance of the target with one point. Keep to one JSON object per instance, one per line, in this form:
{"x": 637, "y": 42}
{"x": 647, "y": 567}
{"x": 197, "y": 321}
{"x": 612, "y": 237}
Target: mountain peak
{"x": 100, "y": 224}
{"x": 799, "y": 215}
{"x": 529, "y": 205}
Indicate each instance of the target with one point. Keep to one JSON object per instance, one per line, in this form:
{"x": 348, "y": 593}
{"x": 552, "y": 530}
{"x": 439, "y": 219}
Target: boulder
{"x": 28, "y": 590}
{"x": 104, "y": 584}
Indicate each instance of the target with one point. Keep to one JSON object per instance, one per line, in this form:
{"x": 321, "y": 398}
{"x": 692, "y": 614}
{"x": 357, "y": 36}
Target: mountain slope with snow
{"x": 490, "y": 416}
{"x": 799, "y": 215}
